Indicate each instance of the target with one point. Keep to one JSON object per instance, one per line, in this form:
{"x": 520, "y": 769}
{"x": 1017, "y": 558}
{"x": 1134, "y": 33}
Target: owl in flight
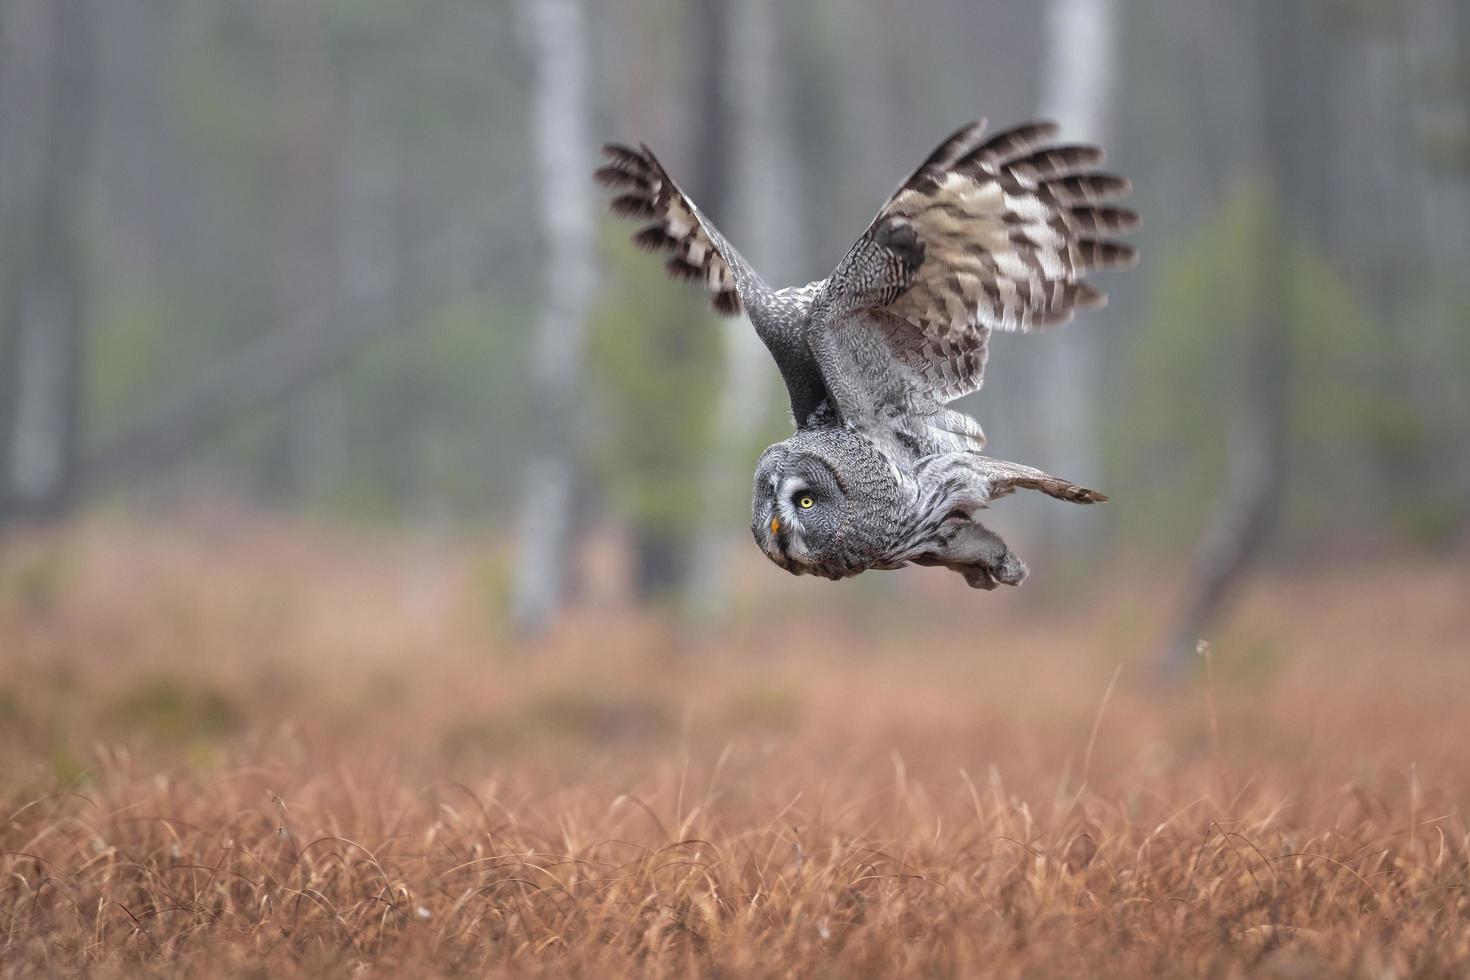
{"x": 989, "y": 233}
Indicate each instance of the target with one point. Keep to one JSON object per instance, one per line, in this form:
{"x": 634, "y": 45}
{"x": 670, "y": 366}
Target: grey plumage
{"x": 987, "y": 234}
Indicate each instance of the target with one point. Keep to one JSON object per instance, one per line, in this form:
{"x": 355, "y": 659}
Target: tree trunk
{"x": 48, "y": 311}
{"x": 304, "y": 277}
{"x": 1257, "y": 462}
{"x": 1289, "y": 101}
{"x": 766, "y": 225}
{"x": 556, "y": 35}
{"x": 281, "y": 365}
{"x": 21, "y": 91}
{"x": 1437, "y": 38}
{"x": 663, "y": 554}
{"x": 377, "y": 295}
{"x": 9, "y": 388}
{"x": 1077, "y": 86}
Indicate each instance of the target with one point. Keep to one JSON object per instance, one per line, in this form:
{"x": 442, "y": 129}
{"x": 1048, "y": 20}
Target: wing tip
{"x": 726, "y": 302}
{"x": 1090, "y": 298}
{"x": 653, "y": 238}
{"x": 1094, "y": 221}
{"x": 614, "y": 177}
{"x": 1097, "y": 254}
{"x": 623, "y": 153}
{"x": 681, "y": 270}
{"x": 633, "y": 206}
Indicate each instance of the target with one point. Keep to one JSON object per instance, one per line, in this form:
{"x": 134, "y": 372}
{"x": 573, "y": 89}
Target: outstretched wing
{"x": 696, "y": 250}
{"x": 987, "y": 234}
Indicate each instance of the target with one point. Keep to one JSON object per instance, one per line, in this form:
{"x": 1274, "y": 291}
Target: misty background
{"x": 343, "y": 261}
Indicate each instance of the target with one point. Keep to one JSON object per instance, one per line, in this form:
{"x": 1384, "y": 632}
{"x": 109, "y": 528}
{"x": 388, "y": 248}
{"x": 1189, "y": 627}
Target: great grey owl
{"x": 987, "y": 234}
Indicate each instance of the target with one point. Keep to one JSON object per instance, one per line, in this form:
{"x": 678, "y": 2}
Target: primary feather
{"x": 696, "y": 252}
{"x": 991, "y": 235}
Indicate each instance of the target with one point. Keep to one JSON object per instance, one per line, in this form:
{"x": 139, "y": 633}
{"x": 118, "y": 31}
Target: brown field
{"x": 283, "y": 752}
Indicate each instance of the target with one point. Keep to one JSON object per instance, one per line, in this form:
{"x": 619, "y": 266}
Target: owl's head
{"x": 799, "y": 509}
{"x": 817, "y": 502}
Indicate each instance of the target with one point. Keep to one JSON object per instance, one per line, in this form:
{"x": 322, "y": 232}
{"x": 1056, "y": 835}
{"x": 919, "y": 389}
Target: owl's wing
{"x": 676, "y": 227}
{"x": 987, "y": 234}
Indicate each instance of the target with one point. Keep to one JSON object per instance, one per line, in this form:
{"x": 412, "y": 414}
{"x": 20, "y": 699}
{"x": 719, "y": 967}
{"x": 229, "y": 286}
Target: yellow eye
{"x": 806, "y": 503}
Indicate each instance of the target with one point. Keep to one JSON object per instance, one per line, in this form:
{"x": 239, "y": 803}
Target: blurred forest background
{"x": 343, "y": 259}
{"x": 328, "y": 392}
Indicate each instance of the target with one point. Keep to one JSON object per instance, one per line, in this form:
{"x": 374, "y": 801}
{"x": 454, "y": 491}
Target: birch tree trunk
{"x": 48, "y": 312}
{"x": 1078, "y": 80}
{"x": 556, "y": 37}
{"x": 766, "y": 228}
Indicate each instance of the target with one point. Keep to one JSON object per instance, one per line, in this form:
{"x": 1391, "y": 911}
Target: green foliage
{"x": 37, "y": 580}
{"x": 68, "y": 771}
{"x": 1184, "y": 380}
{"x": 127, "y": 345}
{"x": 765, "y": 705}
{"x": 1418, "y": 447}
{"x": 1170, "y": 426}
{"x": 144, "y": 344}
{"x": 491, "y": 587}
{"x": 438, "y": 413}
{"x": 370, "y": 22}
{"x": 655, "y": 356}
{"x": 169, "y": 709}
{"x": 434, "y": 417}
{"x": 226, "y": 106}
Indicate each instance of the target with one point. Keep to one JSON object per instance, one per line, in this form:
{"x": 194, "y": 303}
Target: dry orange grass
{"x": 279, "y": 753}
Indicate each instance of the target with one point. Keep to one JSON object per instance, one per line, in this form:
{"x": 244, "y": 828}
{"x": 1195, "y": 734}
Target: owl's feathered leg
{"x": 962, "y": 544}
{"x": 954, "y": 486}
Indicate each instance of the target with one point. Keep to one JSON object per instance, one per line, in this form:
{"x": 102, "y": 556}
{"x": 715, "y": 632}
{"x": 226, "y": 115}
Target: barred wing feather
{"x": 695, "y": 249}
{"x": 988, "y": 235}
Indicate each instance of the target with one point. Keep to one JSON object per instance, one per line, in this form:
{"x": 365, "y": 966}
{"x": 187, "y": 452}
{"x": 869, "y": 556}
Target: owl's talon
{"x": 979, "y": 577}
{"x": 1010, "y": 570}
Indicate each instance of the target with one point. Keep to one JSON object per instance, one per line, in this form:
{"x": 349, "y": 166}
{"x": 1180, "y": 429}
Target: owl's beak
{"x": 775, "y": 525}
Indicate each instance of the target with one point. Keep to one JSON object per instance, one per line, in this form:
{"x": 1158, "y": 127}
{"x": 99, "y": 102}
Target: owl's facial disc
{"x": 794, "y": 511}
{"x": 789, "y": 493}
